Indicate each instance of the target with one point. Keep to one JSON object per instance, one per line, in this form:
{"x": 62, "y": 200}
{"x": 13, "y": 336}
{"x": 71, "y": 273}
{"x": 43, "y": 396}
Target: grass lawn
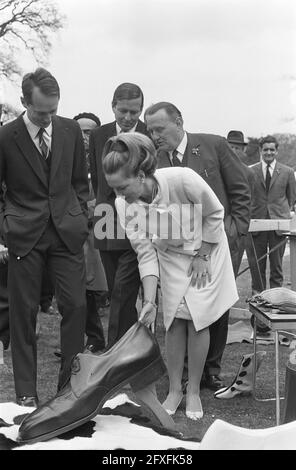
{"x": 242, "y": 410}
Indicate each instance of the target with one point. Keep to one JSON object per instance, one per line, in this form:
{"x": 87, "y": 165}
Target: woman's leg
{"x": 176, "y": 339}
{"x": 198, "y": 345}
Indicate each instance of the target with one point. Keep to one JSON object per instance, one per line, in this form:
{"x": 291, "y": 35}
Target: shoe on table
{"x": 213, "y": 382}
{"x": 27, "y": 401}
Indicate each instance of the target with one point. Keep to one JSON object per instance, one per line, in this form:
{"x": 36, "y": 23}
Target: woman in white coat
{"x": 175, "y": 224}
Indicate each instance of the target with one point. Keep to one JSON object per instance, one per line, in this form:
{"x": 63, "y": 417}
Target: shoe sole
{"x": 155, "y": 370}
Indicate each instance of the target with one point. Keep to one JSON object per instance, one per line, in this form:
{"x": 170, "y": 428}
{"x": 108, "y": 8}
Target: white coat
{"x": 161, "y": 254}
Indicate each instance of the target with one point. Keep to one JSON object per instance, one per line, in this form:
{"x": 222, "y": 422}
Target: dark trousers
{"x": 247, "y": 244}
{"x": 219, "y": 329}
{"x": 123, "y": 279}
{"x": 47, "y": 291}
{"x": 4, "y": 309}
{"x": 93, "y": 326}
{"x": 24, "y": 279}
{"x": 262, "y": 241}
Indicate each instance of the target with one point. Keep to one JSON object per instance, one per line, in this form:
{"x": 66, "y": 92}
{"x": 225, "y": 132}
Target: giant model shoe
{"x": 134, "y": 359}
{"x": 243, "y": 381}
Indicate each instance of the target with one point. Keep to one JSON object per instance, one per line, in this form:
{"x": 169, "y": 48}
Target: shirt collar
{"x": 118, "y": 129}
{"x": 182, "y": 145}
{"x": 272, "y": 165}
{"x": 33, "y": 129}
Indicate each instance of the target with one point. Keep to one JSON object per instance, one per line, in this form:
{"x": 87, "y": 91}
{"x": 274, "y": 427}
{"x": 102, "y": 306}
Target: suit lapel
{"x": 275, "y": 174}
{"x": 260, "y": 174}
{"x": 28, "y": 149}
{"x": 57, "y": 145}
{"x": 193, "y": 154}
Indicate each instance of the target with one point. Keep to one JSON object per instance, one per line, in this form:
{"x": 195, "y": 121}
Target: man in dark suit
{"x": 212, "y": 158}
{"x": 274, "y": 195}
{"x": 119, "y": 259}
{"x": 44, "y": 222}
{"x": 237, "y": 142}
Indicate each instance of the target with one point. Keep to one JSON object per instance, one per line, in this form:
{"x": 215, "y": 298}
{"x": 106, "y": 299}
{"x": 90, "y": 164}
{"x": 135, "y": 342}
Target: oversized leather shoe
{"x": 134, "y": 359}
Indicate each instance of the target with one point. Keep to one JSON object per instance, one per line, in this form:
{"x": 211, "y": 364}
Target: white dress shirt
{"x": 119, "y": 130}
{"x": 33, "y": 131}
{"x": 180, "y": 149}
{"x": 271, "y": 168}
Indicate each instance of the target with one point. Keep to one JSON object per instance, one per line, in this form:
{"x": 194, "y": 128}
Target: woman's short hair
{"x": 131, "y": 152}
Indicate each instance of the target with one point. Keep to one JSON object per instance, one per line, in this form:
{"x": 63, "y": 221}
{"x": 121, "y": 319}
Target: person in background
{"x": 44, "y": 223}
{"x": 273, "y": 197}
{"x": 119, "y": 259}
{"x": 237, "y": 142}
{"x": 211, "y": 157}
{"x": 96, "y": 284}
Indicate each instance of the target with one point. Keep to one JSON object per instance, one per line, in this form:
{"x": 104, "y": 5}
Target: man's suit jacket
{"x": 213, "y": 159}
{"x": 105, "y": 194}
{"x": 277, "y": 203}
{"x": 30, "y": 198}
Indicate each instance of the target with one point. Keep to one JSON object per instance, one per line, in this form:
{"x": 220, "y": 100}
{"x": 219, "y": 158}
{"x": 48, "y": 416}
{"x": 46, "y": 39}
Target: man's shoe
{"x": 134, "y": 359}
{"x": 213, "y": 382}
{"x": 27, "y": 401}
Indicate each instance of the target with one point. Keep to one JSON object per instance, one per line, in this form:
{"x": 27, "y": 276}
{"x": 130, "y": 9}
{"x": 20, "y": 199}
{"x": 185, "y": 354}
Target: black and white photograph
{"x": 147, "y": 227}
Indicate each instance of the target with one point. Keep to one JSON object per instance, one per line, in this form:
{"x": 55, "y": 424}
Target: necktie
{"x": 175, "y": 160}
{"x": 268, "y": 178}
{"x": 42, "y": 144}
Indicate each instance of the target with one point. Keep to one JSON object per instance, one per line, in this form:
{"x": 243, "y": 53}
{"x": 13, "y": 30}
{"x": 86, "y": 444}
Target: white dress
{"x": 158, "y": 254}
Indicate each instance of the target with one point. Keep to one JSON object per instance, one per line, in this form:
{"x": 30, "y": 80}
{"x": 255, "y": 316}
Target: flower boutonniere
{"x": 196, "y": 151}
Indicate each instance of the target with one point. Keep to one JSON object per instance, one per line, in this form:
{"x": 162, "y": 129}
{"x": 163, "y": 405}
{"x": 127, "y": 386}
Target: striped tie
{"x": 42, "y": 144}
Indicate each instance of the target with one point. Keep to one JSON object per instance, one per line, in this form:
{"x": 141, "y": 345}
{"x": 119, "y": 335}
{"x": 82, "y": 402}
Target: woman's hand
{"x": 148, "y": 315}
{"x": 201, "y": 272}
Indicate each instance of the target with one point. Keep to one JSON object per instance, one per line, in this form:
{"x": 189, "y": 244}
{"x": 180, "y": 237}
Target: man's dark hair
{"x": 127, "y": 91}
{"x": 42, "y": 79}
{"x": 91, "y": 116}
{"x": 269, "y": 139}
{"x": 171, "y": 110}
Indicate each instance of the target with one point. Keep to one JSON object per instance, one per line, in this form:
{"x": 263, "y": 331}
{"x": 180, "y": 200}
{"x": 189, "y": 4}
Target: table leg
{"x": 277, "y": 378}
{"x": 255, "y": 356}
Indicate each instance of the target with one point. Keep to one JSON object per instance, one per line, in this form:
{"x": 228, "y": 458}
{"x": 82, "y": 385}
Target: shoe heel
{"x": 147, "y": 376}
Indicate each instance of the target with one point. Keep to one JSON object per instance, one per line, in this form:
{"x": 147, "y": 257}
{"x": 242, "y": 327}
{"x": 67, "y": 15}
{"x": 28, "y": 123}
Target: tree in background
{"x": 252, "y": 151}
{"x": 287, "y": 149}
{"x": 8, "y": 113}
{"x": 26, "y": 26}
